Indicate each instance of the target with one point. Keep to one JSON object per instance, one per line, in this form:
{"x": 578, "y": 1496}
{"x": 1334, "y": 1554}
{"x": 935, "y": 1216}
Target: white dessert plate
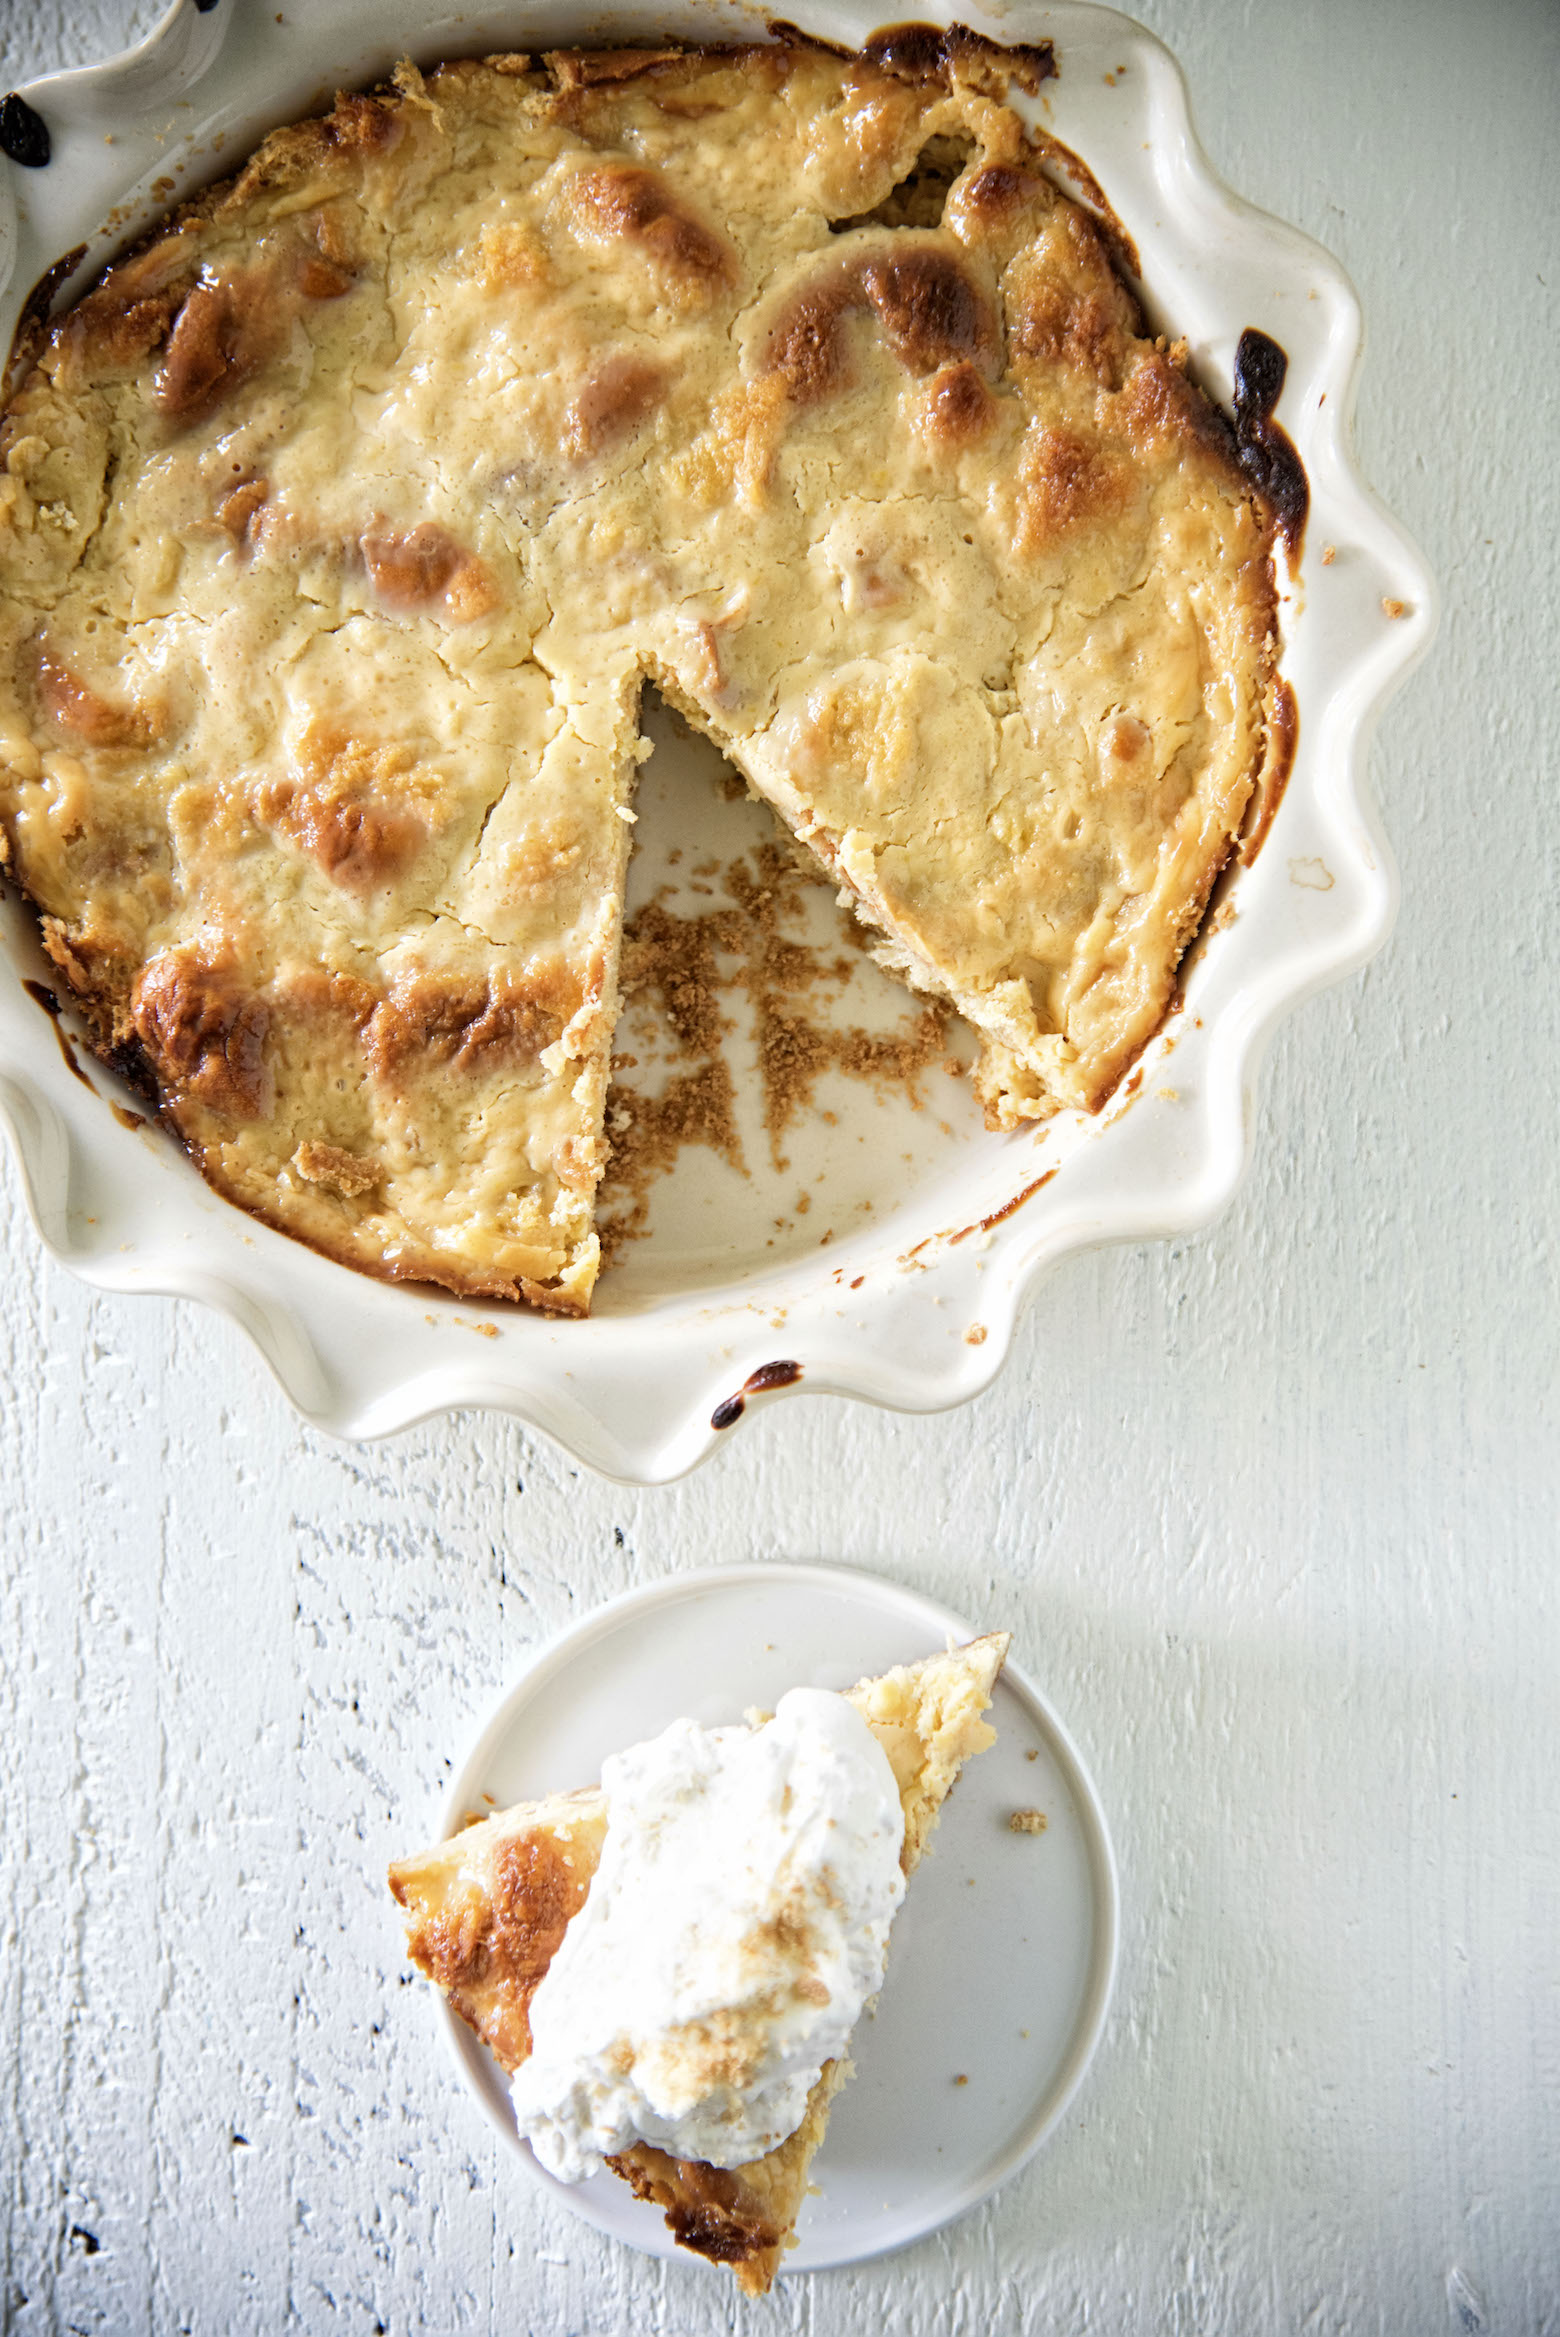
{"x": 1002, "y": 1956}
{"x": 922, "y": 1234}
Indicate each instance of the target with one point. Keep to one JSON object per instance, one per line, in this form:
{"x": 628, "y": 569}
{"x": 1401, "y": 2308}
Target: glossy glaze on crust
{"x": 928, "y": 1719}
{"x": 340, "y": 523}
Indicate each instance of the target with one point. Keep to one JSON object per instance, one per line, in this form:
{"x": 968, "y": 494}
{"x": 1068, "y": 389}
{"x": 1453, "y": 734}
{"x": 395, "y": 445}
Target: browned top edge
{"x": 912, "y": 51}
{"x": 1283, "y": 737}
{"x": 915, "y": 51}
{"x": 32, "y": 323}
{"x": 1081, "y": 185}
{"x": 1264, "y": 449}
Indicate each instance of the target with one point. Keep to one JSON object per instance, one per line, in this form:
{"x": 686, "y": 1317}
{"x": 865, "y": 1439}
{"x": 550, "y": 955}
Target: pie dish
{"x": 361, "y": 1359}
{"x": 487, "y": 1911}
{"x": 341, "y": 524}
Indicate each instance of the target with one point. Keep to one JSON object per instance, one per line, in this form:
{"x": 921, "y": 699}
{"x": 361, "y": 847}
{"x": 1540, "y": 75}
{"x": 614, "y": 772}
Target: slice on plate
{"x": 486, "y": 1912}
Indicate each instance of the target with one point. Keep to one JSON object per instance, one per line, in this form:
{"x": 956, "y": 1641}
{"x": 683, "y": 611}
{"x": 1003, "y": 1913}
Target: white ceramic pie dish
{"x": 912, "y": 1299}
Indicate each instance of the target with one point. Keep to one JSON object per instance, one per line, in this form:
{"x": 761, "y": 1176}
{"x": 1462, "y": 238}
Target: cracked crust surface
{"x": 485, "y": 1913}
{"x": 340, "y": 525}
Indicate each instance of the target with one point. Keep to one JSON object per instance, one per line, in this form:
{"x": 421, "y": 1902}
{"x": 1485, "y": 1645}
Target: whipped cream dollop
{"x": 736, "y": 1925}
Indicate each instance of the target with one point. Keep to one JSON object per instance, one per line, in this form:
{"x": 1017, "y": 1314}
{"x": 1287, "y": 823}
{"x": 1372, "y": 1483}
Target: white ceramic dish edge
{"x": 910, "y": 1314}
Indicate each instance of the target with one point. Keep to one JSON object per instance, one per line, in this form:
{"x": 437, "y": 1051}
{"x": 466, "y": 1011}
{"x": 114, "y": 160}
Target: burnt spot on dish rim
{"x": 1265, "y": 451}
{"x": 42, "y": 995}
{"x": 24, "y": 134}
{"x": 781, "y": 1374}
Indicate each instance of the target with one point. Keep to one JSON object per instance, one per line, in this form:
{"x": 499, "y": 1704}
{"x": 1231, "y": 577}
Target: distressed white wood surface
{"x": 1273, "y": 1515}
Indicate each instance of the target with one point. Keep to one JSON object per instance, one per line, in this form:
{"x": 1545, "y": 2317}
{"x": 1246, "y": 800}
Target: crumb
{"x": 1394, "y": 608}
{"x": 1170, "y": 1095}
{"x": 975, "y": 1336}
{"x": 648, "y": 1133}
{"x": 1033, "y": 1753}
{"x": 961, "y": 2079}
{"x": 340, "y": 1172}
{"x": 802, "y": 1204}
{"x": 1329, "y": 554}
{"x": 1028, "y": 1822}
{"x": 126, "y": 1118}
{"x": 676, "y": 957}
{"x": 485, "y": 1330}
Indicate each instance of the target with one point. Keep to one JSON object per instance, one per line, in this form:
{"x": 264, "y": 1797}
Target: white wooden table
{"x": 1273, "y": 1515}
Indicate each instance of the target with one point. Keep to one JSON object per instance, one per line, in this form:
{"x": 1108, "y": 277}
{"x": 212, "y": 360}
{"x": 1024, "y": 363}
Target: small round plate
{"x": 1003, "y": 1954}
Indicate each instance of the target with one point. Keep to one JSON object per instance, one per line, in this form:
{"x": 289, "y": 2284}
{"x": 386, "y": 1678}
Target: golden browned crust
{"x": 486, "y": 1935}
{"x": 741, "y": 2216}
{"x": 486, "y": 1911}
{"x": 341, "y": 520}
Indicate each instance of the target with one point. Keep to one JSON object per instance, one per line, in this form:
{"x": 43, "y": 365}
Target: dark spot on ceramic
{"x": 42, "y": 995}
{"x": 1266, "y": 453}
{"x": 780, "y": 1374}
{"x": 24, "y": 134}
{"x": 930, "y": 52}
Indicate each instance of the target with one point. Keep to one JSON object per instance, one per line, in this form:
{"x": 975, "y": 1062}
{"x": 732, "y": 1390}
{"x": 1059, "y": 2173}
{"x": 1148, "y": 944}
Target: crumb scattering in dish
{"x": 682, "y": 979}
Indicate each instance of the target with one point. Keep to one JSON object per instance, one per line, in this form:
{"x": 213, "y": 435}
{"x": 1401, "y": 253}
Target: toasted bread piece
{"x": 486, "y": 1910}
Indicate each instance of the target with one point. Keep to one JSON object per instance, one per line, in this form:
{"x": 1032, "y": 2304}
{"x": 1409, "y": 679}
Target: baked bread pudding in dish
{"x": 342, "y": 524}
{"x": 669, "y": 1965}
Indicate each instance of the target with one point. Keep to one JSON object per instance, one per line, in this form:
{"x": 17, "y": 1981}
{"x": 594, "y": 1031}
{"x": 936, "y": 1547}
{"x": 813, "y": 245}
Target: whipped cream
{"x": 736, "y": 1925}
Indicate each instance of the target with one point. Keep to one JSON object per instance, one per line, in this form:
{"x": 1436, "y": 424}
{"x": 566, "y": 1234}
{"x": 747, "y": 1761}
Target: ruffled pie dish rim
{"x": 917, "y": 1311}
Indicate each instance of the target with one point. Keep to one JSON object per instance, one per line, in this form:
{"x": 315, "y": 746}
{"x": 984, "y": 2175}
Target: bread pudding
{"x": 343, "y": 523}
{"x": 487, "y": 1913}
